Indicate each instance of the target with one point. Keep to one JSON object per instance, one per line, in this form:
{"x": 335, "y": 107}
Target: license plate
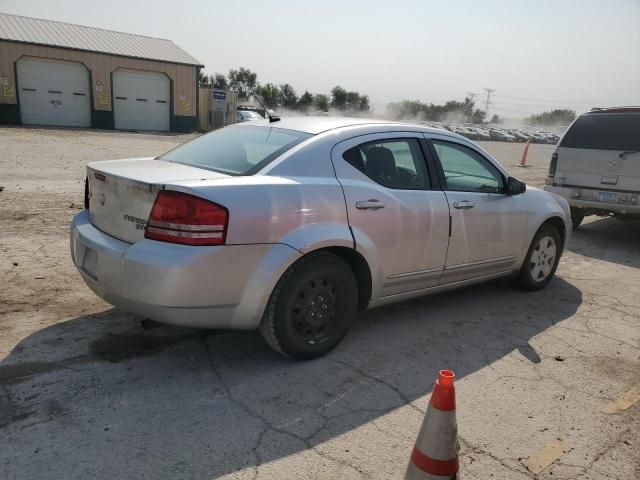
{"x": 608, "y": 197}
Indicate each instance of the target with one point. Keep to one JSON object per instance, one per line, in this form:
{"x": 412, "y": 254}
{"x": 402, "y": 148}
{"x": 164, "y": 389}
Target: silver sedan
{"x": 293, "y": 226}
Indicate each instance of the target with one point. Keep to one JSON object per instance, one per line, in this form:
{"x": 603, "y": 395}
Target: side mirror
{"x": 515, "y": 186}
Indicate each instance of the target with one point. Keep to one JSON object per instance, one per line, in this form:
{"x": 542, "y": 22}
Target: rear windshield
{"x": 236, "y": 150}
{"x": 605, "y": 131}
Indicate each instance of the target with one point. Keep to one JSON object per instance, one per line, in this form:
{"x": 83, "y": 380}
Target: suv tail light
{"x": 552, "y": 169}
{"x": 178, "y": 217}
{"x": 553, "y": 164}
{"x": 86, "y": 193}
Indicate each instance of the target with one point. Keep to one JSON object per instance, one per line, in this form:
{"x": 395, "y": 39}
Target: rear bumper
{"x": 585, "y": 198}
{"x": 210, "y": 287}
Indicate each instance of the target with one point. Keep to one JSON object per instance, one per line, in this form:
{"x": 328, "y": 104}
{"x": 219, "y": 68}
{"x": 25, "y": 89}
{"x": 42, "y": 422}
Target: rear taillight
{"x": 178, "y": 217}
{"x": 553, "y": 164}
{"x": 86, "y": 193}
{"x": 552, "y": 170}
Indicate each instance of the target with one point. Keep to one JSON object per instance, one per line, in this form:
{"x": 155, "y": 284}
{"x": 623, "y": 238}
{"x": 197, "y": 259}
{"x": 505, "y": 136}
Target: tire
{"x": 538, "y": 269}
{"x": 577, "y": 215}
{"x": 311, "y": 308}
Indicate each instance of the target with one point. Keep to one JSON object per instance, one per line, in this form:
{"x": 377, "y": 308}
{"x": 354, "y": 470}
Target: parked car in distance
{"x": 501, "y": 136}
{"x": 481, "y": 134}
{"x": 293, "y": 226}
{"x": 596, "y": 165}
{"x": 467, "y": 132}
{"x": 247, "y": 115}
{"x": 539, "y": 137}
{"x": 520, "y": 137}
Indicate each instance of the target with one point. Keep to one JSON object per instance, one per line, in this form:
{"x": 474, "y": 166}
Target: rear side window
{"x": 236, "y": 150}
{"x": 393, "y": 163}
{"x": 605, "y": 131}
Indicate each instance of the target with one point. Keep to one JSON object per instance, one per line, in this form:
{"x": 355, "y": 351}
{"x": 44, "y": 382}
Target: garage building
{"x": 54, "y": 73}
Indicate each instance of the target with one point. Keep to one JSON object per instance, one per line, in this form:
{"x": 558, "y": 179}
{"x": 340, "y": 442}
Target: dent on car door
{"x": 487, "y": 225}
{"x": 399, "y": 222}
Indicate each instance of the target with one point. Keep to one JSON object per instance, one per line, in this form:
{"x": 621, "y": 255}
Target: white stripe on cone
{"x": 438, "y": 437}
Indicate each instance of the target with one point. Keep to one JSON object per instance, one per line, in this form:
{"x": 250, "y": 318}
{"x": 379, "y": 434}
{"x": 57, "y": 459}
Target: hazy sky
{"x": 536, "y": 54}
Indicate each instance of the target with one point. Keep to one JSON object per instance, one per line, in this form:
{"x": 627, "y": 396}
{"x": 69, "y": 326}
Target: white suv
{"x": 596, "y": 165}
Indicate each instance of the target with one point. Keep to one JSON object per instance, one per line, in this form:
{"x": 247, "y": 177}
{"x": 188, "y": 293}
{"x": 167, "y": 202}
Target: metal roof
{"x": 319, "y": 124}
{"x": 629, "y": 109}
{"x": 77, "y": 37}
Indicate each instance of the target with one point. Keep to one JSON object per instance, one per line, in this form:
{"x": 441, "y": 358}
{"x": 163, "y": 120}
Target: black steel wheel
{"x": 311, "y": 308}
{"x": 542, "y": 259}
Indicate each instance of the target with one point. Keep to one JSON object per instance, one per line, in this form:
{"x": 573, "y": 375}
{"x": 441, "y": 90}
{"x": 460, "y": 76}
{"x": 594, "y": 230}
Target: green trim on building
{"x": 184, "y": 124}
{"x": 102, "y": 119}
{"x": 9, "y": 114}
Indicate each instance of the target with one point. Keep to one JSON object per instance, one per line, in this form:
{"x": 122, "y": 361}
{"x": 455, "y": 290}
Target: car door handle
{"x": 371, "y": 204}
{"x": 463, "y": 205}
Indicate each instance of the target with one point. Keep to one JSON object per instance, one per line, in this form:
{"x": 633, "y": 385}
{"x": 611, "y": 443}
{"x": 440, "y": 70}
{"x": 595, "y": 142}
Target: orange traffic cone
{"x": 435, "y": 454}
{"x": 523, "y": 160}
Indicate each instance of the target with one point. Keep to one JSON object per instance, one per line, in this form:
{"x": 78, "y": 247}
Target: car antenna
{"x": 272, "y": 118}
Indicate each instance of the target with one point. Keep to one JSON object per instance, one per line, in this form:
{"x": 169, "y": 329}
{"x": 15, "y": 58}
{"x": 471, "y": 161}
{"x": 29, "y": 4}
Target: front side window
{"x": 394, "y": 163}
{"x": 466, "y": 170}
{"x": 241, "y": 150}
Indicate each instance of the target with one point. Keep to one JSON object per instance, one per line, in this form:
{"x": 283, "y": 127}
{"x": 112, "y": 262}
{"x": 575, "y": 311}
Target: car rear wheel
{"x": 311, "y": 308}
{"x": 542, "y": 259}
{"x": 577, "y": 215}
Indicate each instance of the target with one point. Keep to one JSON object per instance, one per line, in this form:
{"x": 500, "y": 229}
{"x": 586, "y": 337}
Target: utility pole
{"x": 486, "y": 108}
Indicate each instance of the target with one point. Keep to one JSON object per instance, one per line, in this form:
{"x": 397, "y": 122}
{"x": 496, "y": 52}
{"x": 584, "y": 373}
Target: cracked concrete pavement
{"x": 87, "y": 391}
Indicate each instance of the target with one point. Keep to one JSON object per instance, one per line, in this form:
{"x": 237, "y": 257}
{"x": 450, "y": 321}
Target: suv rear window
{"x": 605, "y": 131}
{"x": 236, "y": 150}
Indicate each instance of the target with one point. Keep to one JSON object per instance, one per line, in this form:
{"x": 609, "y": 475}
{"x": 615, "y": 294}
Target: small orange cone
{"x": 435, "y": 454}
{"x": 523, "y": 160}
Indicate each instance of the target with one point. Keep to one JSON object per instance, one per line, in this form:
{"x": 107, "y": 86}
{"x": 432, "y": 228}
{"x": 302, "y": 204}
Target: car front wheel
{"x": 542, "y": 259}
{"x": 311, "y": 307}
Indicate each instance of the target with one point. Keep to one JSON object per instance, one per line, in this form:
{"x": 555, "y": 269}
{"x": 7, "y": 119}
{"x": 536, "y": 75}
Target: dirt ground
{"x": 547, "y": 382}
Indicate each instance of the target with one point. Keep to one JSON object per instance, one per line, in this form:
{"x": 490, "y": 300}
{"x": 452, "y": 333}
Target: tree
{"x": 363, "y": 105}
{"x": 495, "y": 119}
{"x": 478, "y": 116}
{"x": 244, "y": 81}
{"x": 407, "y": 109}
{"x": 219, "y": 80}
{"x": 468, "y": 106}
{"x": 270, "y": 94}
{"x": 305, "y": 101}
{"x": 339, "y": 97}
{"x": 288, "y": 97}
{"x": 202, "y": 78}
{"x": 554, "y": 117}
{"x": 321, "y": 102}
{"x": 353, "y": 101}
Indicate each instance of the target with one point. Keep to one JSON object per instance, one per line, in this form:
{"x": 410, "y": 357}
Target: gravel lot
{"x": 87, "y": 391}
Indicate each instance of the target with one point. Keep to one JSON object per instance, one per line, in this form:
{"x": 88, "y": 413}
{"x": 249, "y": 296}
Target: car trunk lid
{"x": 598, "y": 169}
{"x": 121, "y": 193}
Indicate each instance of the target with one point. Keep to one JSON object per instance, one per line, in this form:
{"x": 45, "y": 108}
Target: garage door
{"x": 53, "y": 92}
{"x": 141, "y": 100}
